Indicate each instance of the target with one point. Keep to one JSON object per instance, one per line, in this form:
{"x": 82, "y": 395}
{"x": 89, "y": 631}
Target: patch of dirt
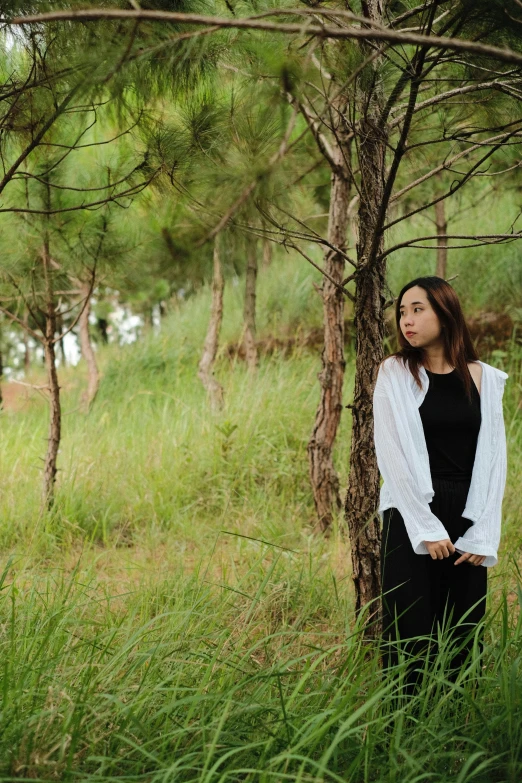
{"x": 20, "y": 397}
{"x": 286, "y": 345}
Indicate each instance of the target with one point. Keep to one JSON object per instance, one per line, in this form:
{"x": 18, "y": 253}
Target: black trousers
{"x": 420, "y": 593}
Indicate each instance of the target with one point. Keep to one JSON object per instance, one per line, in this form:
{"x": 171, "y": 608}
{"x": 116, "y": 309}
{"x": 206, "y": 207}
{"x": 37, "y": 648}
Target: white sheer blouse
{"x": 402, "y": 457}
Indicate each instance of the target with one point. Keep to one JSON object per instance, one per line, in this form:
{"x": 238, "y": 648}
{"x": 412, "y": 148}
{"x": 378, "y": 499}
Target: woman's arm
{"x": 483, "y": 537}
{"x": 421, "y": 524}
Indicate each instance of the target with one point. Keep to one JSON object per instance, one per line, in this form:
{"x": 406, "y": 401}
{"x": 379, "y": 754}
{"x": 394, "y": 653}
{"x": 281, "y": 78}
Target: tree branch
{"x": 313, "y": 125}
{"x": 305, "y": 28}
{"x": 446, "y": 164}
{"x": 479, "y": 238}
{"x": 37, "y": 139}
{"x": 494, "y": 84}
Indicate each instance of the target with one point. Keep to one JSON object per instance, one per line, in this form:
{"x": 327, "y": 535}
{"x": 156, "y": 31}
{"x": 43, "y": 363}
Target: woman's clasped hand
{"x": 438, "y": 550}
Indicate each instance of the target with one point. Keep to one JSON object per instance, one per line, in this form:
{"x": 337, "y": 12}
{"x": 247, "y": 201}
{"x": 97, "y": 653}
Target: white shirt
{"x": 402, "y": 457}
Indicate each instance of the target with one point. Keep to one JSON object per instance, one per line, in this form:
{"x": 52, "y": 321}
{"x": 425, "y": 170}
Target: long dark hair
{"x": 458, "y": 347}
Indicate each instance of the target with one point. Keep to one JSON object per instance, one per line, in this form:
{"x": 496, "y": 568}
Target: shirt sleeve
{"x": 483, "y": 537}
{"x": 421, "y": 524}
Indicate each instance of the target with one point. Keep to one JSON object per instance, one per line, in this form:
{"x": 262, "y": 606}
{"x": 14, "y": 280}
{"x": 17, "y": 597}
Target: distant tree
{"x": 48, "y": 277}
{"x": 210, "y": 348}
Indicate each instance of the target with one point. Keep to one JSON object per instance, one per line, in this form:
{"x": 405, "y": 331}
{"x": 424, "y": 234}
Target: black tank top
{"x": 451, "y": 425}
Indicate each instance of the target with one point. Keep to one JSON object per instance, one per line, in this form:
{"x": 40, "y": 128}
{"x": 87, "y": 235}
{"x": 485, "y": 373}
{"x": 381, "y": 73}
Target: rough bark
{"x": 55, "y": 414}
{"x": 376, "y": 185}
{"x": 442, "y": 242}
{"x": 210, "y": 348}
{"x": 249, "y": 312}
{"x": 363, "y": 482}
{"x": 323, "y": 476}
{"x": 93, "y": 375}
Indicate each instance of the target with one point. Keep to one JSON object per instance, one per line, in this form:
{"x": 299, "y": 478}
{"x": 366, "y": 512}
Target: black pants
{"x": 419, "y": 593}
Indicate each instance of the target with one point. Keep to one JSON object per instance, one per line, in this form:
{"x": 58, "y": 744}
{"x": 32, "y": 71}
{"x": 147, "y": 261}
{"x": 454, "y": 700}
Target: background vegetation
{"x": 173, "y": 617}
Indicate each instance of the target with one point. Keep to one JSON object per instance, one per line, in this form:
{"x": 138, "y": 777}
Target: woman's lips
{"x": 409, "y": 334}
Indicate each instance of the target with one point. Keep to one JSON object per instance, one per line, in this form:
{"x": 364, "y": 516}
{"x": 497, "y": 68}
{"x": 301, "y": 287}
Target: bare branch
{"x": 21, "y": 323}
{"x": 28, "y": 175}
{"x": 446, "y": 164}
{"x": 30, "y": 385}
{"x": 443, "y": 96}
{"x": 131, "y": 191}
{"x": 314, "y": 125}
{"x": 37, "y": 138}
{"x": 321, "y": 270}
{"x": 479, "y": 239}
{"x": 305, "y": 28}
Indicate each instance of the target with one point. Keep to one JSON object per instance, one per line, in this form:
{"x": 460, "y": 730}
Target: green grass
{"x": 180, "y": 680}
{"x": 174, "y": 618}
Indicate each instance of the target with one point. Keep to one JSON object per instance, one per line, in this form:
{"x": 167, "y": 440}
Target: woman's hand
{"x": 440, "y": 549}
{"x": 473, "y": 559}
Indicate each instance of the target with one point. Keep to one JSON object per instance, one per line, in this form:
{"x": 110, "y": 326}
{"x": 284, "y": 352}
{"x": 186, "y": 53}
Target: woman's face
{"x": 419, "y": 318}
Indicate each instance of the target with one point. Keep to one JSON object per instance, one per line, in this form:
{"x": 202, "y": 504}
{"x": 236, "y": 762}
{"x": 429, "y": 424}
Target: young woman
{"x": 441, "y": 450}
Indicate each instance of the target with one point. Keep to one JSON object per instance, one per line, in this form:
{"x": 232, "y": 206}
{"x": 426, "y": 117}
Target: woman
{"x": 441, "y": 450}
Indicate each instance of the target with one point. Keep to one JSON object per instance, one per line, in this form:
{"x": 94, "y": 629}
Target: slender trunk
{"x": 210, "y": 348}
{"x": 267, "y": 253}
{"x": 93, "y": 376}
{"x": 59, "y": 330}
{"x": 102, "y": 326}
{"x": 323, "y": 476}
{"x": 442, "y": 242}
{"x": 376, "y": 185}
{"x": 27, "y": 349}
{"x": 363, "y": 482}
{"x": 249, "y": 312}
{"x": 55, "y": 418}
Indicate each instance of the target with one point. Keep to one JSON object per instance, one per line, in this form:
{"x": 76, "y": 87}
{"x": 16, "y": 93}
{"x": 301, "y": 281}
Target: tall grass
{"x": 266, "y": 680}
{"x": 174, "y": 619}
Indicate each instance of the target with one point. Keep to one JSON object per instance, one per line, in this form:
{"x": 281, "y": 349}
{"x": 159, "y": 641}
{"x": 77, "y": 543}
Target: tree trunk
{"x": 442, "y": 242}
{"x": 59, "y": 330}
{"x": 55, "y": 417}
{"x": 93, "y": 376}
{"x": 210, "y": 348}
{"x": 27, "y": 349}
{"x": 102, "y": 324}
{"x": 323, "y": 476}
{"x": 376, "y": 184}
{"x": 249, "y": 312}
{"x": 363, "y": 482}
